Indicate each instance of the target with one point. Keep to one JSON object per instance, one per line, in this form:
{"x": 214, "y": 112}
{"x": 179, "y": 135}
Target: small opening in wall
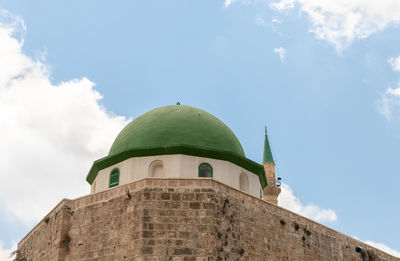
{"x": 156, "y": 169}
{"x": 296, "y": 226}
{"x": 205, "y": 170}
{"x": 244, "y": 183}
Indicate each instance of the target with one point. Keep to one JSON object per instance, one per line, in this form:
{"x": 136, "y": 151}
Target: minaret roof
{"x": 267, "y": 155}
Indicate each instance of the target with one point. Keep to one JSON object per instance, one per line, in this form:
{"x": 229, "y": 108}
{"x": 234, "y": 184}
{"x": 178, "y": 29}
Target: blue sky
{"x": 322, "y": 75}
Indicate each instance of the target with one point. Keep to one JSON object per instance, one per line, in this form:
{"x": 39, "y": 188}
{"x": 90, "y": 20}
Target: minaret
{"x": 271, "y": 192}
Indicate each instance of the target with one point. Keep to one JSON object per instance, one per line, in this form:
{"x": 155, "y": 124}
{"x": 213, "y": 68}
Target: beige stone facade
{"x": 183, "y": 219}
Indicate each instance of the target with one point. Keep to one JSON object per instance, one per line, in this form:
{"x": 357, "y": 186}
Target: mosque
{"x": 176, "y": 185}
{"x": 183, "y": 142}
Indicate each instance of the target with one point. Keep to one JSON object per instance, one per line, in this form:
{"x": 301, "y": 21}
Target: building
{"x": 176, "y": 185}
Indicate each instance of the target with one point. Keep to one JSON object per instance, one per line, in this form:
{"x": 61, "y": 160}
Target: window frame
{"x": 114, "y": 172}
{"x": 205, "y": 163}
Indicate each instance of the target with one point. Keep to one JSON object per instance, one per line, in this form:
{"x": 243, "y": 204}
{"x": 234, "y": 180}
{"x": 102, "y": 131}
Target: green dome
{"x": 173, "y": 130}
{"x": 177, "y": 125}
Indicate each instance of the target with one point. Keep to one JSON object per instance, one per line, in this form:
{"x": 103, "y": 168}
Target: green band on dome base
{"x": 178, "y": 149}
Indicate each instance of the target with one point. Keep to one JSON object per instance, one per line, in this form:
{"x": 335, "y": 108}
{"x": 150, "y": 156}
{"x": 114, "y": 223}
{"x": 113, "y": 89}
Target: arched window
{"x": 205, "y": 170}
{"x": 156, "y": 169}
{"x": 244, "y": 183}
{"x": 114, "y": 178}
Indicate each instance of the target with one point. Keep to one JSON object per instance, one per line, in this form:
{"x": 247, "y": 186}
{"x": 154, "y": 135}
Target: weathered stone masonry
{"x": 182, "y": 219}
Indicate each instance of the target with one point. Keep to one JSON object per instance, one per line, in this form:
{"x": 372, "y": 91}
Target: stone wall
{"x": 49, "y": 240}
{"x": 183, "y": 220}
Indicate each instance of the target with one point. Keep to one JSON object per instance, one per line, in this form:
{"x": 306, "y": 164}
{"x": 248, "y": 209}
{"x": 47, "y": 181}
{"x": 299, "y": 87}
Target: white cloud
{"x": 5, "y": 254}
{"x": 283, "y": 5}
{"x": 50, "y": 133}
{"x": 395, "y": 63}
{"x": 289, "y": 201}
{"x": 230, "y": 2}
{"x": 384, "y": 248}
{"x": 260, "y": 20}
{"x": 227, "y": 3}
{"x": 390, "y": 100}
{"x": 340, "y": 22}
{"x": 282, "y": 53}
{"x": 276, "y": 21}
